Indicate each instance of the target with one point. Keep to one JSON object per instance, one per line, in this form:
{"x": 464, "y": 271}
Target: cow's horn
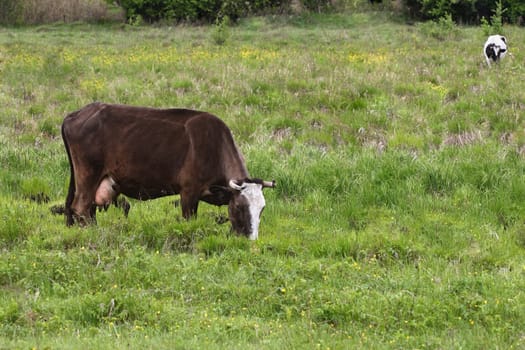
{"x": 235, "y": 186}
{"x": 269, "y": 183}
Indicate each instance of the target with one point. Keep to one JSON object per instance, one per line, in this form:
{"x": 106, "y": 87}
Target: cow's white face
{"x": 246, "y": 207}
{"x": 495, "y": 48}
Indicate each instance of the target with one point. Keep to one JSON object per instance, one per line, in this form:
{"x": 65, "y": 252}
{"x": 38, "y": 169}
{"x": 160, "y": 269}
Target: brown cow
{"x": 146, "y": 153}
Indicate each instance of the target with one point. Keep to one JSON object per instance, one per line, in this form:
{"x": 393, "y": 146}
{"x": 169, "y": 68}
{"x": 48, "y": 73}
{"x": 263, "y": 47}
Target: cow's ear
{"x": 221, "y": 192}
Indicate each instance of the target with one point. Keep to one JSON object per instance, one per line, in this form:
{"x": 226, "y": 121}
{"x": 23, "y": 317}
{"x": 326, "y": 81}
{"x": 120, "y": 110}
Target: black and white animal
{"x": 495, "y": 48}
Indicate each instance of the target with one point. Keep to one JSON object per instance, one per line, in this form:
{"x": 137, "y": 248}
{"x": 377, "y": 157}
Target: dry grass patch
{"x": 463, "y": 139}
{"x": 50, "y": 11}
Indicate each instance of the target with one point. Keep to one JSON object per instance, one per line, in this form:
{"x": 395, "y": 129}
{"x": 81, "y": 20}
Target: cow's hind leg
{"x": 83, "y": 207}
{"x": 69, "y": 201}
{"x": 123, "y": 204}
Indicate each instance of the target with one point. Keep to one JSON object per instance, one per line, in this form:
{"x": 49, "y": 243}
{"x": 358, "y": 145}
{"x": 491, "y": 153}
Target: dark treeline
{"x": 209, "y": 11}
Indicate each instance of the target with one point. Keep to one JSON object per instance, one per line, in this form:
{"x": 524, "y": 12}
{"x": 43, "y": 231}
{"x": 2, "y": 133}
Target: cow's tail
{"x": 72, "y": 187}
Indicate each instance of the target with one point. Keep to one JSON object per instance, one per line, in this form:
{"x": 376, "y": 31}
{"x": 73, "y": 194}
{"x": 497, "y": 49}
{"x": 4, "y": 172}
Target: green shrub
{"x": 154, "y": 10}
{"x": 495, "y": 25}
{"x": 221, "y": 33}
{"x": 11, "y": 12}
{"x": 515, "y": 11}
{"x": 317, "y": 5}
{"x": 210, "y": 10}
{"x": 442, "y": 29}
{"x": 465, "y": 11}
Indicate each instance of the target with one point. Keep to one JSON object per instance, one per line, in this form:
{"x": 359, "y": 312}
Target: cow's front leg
{"x": 189, "y": 202}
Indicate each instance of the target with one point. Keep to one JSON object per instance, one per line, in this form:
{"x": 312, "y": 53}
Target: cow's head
{"x": 246, "y": 205}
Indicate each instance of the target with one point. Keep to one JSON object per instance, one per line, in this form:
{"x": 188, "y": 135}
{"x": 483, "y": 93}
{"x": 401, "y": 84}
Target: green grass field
{"x": 398, "y": 221}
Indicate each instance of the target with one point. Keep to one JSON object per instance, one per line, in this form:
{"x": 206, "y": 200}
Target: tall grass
{"x": 397, "y": 220}
{"x": 30, "y": 12}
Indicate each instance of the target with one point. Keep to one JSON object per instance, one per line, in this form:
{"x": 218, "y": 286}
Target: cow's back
{"x": 100, "y": 118}
{"x": 150, "y": 152}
